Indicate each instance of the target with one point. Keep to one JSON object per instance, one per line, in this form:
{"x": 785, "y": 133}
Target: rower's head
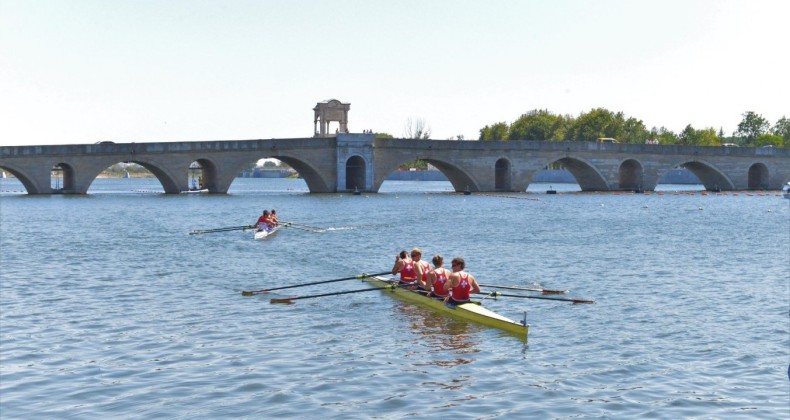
{"x": 266, "y": 212}
{"x": 458, "y": 264}
{"x": 274, "y": 212}
{"x": 437, "y": 260}
{"x": 416, "y": 254}
{"x": 403, "y": 254}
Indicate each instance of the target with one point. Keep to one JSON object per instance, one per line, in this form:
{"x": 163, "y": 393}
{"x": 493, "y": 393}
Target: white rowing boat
{"x": 467, "y": 311}
{"x": 264, "y": 233}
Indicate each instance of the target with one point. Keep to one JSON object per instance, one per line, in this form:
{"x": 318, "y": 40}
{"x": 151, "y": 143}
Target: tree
{"x": 417, "y": 129}
{"x": 751, "y": 126}
{"x": 496, "y": 131}
{"x": 708, "y": 137}
{"x": 634, "y": 131}
{"x": 769, "y": 140}
{"x": 664, "y": 136}
{"x": 538, "y": 124}
{"x": 688, "y": 136}
{"x": 599, "y": 122}
{"x": 782, "y": 129}
{"x": 383, "y": 136}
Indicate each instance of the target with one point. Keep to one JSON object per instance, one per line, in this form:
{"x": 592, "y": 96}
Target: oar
{"x": 224, "y": 229}
{"x": 291, "y": 225}
{"x": 358, "y": 276}
{"x": 544, "y": 291}
{"x": 497, "y": 294}
{"x": 291, "y": 299}
{"x": 302, "y": 225}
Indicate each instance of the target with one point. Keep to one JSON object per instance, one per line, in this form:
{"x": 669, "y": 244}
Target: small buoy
{"x": 699, "y": 208}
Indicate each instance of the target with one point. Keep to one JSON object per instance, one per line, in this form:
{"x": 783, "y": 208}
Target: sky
{"x": 83, "y": 71}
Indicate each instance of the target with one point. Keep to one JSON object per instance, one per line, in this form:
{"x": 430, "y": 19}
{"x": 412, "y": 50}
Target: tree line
{"x": 542, "y": 125}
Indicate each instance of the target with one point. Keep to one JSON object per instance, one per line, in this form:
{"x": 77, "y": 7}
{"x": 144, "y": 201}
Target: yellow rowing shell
{"x": 466, "y": 311}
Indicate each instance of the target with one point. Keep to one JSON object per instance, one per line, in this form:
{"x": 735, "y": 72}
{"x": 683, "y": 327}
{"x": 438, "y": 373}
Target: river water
{"x": 110, "y": 309}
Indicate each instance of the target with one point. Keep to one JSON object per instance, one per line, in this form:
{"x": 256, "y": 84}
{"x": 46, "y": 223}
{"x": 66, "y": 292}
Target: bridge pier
{"x": 354, "y": 162}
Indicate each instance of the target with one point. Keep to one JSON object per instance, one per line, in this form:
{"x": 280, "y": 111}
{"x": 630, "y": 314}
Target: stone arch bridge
{"x": 361, "y": 162}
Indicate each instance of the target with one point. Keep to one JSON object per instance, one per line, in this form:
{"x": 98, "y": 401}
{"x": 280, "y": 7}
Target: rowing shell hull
{"x": 466, "y": 311}
{"x": 263, "y": 234}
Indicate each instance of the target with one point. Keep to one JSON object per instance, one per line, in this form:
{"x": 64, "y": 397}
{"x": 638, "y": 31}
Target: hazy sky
{"x": 81, "y": 71}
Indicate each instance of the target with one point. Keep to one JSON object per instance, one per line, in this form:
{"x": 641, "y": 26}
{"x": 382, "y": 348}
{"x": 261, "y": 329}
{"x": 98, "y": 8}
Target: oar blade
{"x": 254, "y": 292}
{"x": 577, "y": 301}
{"x": 555, "y": 292}
{"x": 283, "y": 300}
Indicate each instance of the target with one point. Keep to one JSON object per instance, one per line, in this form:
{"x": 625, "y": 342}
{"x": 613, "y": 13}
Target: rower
{"x": 437, "y": 278}
{"x": 265, "y": 221}
{"x": 405, "y": 266}
{"x": 273, "y": 218}
{"x": 421, "y": 268}
{"x": 460, "y": 284}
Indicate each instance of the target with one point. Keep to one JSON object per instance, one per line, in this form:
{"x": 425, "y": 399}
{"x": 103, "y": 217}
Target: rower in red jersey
{"x": 405, "y": 266}
{"x": 421, "y": 268}
{"x": 461, "y": 284}
{"x": 437, "y": 278}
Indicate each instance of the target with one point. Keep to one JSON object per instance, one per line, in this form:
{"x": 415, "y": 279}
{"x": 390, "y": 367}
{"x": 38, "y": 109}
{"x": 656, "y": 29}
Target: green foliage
{"x": 420, "y": 165}
{"x": 708, "y": 137}
{"x": 383, "y": 136}
{"x": 634, "y": 131}
{"x": 600, "y": 122}
{"x": 692, "y": 137}
{"x": 540, "y": 125}
{"x": 751, "y": 126}
{"x": 770, "y": 140}
{"x": 664, "y": 136}
{"x": 496, "y": 131}
{"x": 782, "y": 129}
{"x": 597, "y": 123}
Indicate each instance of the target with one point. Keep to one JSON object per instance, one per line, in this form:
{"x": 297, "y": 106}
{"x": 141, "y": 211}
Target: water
{"x": 109, "y": 308}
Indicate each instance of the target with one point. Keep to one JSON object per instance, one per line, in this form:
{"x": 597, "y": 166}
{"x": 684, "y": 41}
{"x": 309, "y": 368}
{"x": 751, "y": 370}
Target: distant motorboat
{"x": 786, "y": 191}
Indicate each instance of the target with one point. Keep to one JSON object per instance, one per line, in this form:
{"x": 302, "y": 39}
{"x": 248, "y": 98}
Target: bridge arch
{"x": 710, "y": 176}
{"x": 502, "y": 178}
{"x": 62, "y": 178}
{"x": 208, "y": 173}
{"x": 459, "y": 178}
{"x": 631, "y": 175}
{"x": 312, "y": 177}
{"x": 27, "y": 180}
{"x": 355, "y": 173}
{"x": 758, "y": 178}
{"x": 587, "y": 176}
{"x": 169, "y": 182}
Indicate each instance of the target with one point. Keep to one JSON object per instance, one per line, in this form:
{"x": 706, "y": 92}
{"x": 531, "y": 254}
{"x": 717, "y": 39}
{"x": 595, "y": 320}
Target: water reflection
{"x": 440, "y": 336}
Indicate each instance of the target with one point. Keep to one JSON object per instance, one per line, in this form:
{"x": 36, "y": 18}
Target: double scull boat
{"x": 265, "y": 233}
{"x": 467, "y": 311}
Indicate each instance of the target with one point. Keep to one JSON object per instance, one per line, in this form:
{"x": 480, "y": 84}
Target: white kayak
{"x": 264, "y": 233}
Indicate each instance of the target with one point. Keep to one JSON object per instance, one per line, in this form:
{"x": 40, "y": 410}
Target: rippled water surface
{"x": 110, "y": 309}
